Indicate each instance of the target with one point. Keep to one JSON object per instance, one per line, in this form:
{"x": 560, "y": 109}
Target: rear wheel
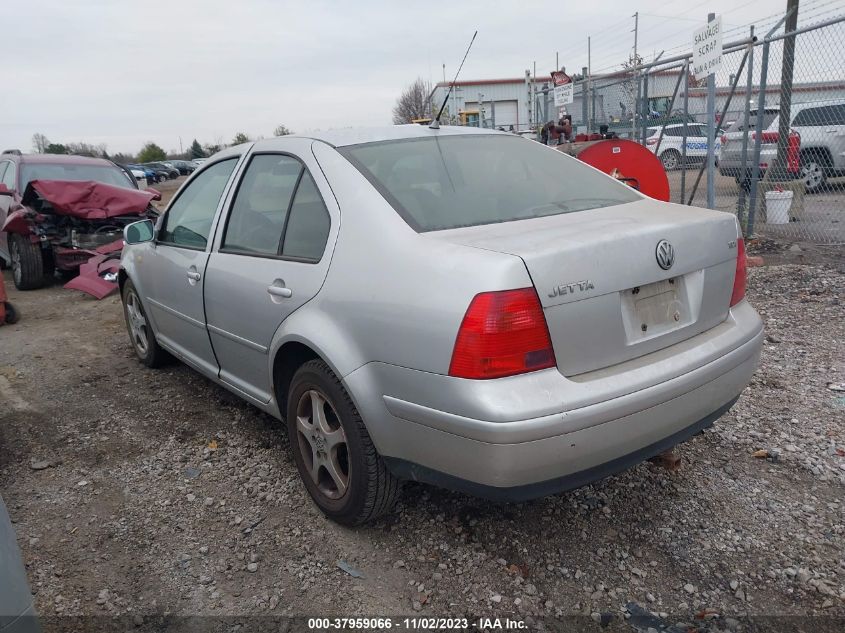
{"x": 813, "y": 172}
{"x": 671, "y": 159}
{"x": 140, "y": 332}
{"x": 27, "y": 263}
{"x": 335, "y": 456}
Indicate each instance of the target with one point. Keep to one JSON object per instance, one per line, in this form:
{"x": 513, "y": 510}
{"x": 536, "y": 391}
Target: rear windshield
{"x": 97, "y": 173}
{"x": 467, "y": 180}
{"x": 768, "y": 117}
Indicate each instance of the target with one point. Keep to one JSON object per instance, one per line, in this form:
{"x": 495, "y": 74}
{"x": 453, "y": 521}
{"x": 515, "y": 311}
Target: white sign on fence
{"x": 564, "y": 89}
{"x": 707, "y": 49}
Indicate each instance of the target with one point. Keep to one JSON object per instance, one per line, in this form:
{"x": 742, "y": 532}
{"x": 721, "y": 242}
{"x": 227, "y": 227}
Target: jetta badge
{"x": 665, "y": 254}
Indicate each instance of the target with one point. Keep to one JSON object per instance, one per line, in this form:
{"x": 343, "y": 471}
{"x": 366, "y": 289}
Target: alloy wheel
{"x": 812, "y": 175}
{"x": 670, "y": 160}
{"x": 322, "y": 443}
{"x": 137, "y": 323}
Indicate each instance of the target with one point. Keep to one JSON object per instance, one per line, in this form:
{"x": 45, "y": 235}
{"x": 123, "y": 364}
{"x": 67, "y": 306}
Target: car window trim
{"x": 182, "y": 190}
{"x": 279, "y": 255}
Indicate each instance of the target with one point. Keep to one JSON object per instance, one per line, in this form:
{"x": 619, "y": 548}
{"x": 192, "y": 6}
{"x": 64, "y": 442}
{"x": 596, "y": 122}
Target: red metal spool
{"x": 630, "y": 162}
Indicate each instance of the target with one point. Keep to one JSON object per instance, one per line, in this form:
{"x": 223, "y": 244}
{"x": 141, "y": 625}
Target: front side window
{"x": 261, "y": 205}
{"x": 188, "y": 220}
{"x": 446, "y": 182}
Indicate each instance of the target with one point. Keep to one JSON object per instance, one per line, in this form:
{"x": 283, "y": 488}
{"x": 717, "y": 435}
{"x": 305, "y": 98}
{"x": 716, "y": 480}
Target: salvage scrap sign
{"x": 564, "y": 91}
{"x": 707, "y": 49}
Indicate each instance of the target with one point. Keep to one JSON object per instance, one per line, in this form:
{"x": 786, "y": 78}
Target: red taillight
{"x": 738, "y": 293}
{"x": 724, "y": 139}
{"x": 502, "y": 334}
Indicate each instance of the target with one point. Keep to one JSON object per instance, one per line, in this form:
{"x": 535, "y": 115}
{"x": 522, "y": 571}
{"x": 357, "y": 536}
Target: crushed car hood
{"x": 87, "y": 199}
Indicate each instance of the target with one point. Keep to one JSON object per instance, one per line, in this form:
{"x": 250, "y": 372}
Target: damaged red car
{"x": 67, "y": 213}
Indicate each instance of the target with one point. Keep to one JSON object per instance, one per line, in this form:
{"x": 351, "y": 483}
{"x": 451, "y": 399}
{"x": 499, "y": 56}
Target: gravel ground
{"x": 138, "y": 492}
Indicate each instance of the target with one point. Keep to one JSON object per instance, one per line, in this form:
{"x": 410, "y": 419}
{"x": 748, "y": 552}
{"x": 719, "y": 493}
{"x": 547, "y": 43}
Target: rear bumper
{"x": 533, "y": 434}
{"x": 415, "y": 472}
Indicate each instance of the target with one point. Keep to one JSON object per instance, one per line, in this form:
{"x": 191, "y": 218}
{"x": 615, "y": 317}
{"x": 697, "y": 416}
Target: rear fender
{"x": 314, "y": 328}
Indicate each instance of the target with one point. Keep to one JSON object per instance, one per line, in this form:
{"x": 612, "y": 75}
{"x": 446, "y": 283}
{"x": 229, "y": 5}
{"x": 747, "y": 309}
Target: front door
{"x": 173, "y": 277}
{"x": 270, "y": 259}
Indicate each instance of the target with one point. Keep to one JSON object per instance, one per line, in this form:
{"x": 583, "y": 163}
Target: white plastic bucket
{"x": 778, "y": 204}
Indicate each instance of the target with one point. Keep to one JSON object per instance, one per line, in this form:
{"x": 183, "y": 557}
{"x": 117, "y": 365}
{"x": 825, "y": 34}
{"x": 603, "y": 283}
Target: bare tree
{"x": 629, "y": 86}
{"x": 282, "y": 130}
{"x": 39, "y": 143}
{"x": 413, "y": 103}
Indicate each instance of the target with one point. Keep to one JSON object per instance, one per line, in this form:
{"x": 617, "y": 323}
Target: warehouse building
{"x": 526, "y": 102}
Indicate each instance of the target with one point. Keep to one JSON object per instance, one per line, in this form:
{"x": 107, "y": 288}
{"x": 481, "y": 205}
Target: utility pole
{"x": 635, "y": 106}
{"x": 590, "y": 113}
{"x": 711, "y": 134}
{"x": 785, "y": 117}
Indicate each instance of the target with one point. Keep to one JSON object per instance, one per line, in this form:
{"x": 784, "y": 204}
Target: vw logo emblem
{"x": 665, "y": 254}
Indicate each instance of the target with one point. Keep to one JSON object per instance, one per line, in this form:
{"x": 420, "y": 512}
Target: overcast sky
{"x": 123, "y": 73}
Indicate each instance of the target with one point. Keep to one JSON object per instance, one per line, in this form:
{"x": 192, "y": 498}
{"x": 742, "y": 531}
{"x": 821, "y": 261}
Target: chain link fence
{"x": 779, "y": 127}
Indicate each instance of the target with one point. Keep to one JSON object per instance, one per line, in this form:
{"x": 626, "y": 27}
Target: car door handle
{"x": 194, "y": 276}
{"x": 280, "y": 291}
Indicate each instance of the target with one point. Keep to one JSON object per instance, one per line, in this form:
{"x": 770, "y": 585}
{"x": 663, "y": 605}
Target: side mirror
{"x": 156, "y": 193}
{"x": 4, "y": 190}
{"x": 138, "y": 232}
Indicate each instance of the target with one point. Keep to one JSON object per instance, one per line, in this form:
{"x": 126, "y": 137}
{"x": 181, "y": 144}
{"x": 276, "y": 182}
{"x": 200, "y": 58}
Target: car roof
{"x": 354, "y": 136}
{"x": 62, "y": 159}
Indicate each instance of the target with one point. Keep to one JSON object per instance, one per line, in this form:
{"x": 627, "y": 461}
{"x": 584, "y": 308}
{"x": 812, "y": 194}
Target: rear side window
{"x": 447, "y": 182}
{"x": 826, "y": 115}
{"x": 308, "y": 223}
{"x": 9, "y": 176}
{"x": 261, "y": 205}
{"x": 188, "y": 220}
{"x": 769, "y": 117}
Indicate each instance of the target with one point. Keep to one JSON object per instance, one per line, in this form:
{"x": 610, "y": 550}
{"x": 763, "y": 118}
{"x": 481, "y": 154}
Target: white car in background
{"x": 140, "y": 178}
{"x": 671, "y": 151}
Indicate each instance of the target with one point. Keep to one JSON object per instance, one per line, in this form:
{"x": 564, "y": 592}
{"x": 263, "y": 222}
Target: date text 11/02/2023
{"x": 411, "y": 624}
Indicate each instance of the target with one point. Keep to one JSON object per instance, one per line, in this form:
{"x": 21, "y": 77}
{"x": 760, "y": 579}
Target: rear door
{"x": 270, "y": 258}
{"x": 172, "y": 277}
{"x": 823, "y": 129}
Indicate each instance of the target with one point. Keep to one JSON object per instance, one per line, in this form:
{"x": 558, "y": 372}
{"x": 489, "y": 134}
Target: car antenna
{"x": 435, "y": 125}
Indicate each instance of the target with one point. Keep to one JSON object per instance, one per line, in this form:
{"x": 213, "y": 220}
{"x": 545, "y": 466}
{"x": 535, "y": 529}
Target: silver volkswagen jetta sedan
{"x": 456, "y": 306}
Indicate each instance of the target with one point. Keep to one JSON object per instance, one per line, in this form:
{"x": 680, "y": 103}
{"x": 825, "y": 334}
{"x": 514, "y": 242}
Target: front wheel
{"x": 27, "y": 263}
{"x": 670, "y": 159}
{"x": 335, "y": 456}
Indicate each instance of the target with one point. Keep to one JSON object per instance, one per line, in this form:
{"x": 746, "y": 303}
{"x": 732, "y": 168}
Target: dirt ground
{"x": 141, "y": 492}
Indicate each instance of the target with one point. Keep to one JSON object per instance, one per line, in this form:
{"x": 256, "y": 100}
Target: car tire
{"x": 342, "y": 471}
{"x": 671, "y": 159}
{"x": 813, "y": 172}
{"x": 27, "y": 263}
{"x": 141, "y": 334}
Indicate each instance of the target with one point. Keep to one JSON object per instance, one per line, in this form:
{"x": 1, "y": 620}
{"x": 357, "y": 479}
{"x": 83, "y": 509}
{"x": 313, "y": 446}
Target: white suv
{"x": 821, "y": 127}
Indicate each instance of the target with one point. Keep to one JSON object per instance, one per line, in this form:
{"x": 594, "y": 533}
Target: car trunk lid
{"x": 604, "y": 294}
